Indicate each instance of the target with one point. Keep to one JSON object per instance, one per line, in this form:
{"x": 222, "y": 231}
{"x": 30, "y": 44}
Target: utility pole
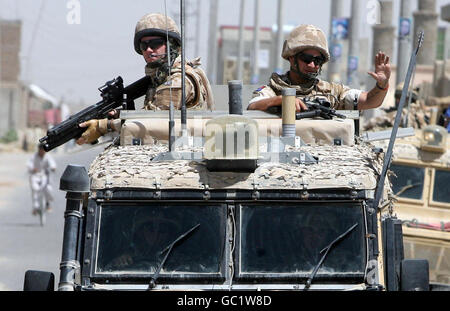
{"x": 404, "y": 40}
{"x": 280, "y": 38}
{"x": 337, "y": 11}
{"x": 353, "y": 53}
{"x": 212, "y": 47}
{"x": 255, "y": 67}
{"x": 426, "y": 19}
{"x": 240, "y": 59}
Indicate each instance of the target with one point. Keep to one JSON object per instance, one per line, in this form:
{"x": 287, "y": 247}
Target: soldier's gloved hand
{"x": 95, "y": 129}
{"x": 114, "y": 114}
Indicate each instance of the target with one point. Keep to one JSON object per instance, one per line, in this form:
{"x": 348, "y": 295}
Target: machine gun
{"x": 113, "y": 94}
{"x": 318, "y": 107}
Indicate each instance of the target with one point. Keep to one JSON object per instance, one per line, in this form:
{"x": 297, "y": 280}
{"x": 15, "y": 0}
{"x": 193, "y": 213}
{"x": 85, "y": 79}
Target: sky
{"x": 71, "y": 55}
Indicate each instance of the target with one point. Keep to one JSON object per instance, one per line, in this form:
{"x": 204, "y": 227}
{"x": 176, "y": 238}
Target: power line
{"x": 33, "y": 37}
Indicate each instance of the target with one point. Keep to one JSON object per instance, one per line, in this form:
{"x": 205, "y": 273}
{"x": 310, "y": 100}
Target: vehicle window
{"x": 441, "y": 191}
{"x": 409, "y": 181}
{"x": 287, "y": 238}
{"x": 132, "y": 239}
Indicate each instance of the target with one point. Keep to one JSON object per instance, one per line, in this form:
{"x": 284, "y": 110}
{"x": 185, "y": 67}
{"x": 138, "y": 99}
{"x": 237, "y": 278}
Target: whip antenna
{"x": 183, "y": 74}
{"x": 388, "y": 155}
{"x": 171, "y": 109}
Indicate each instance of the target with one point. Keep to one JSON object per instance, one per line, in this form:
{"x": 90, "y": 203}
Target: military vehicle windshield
{"x": 408, "y": 182}
{"x": 132, "y": 238}
{"x": 288, "y": 238}
{"x": 441, "y": 193}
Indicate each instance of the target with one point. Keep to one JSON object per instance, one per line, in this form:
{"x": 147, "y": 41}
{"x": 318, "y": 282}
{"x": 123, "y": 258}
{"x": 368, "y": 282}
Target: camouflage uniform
{"x": 418, "y": 115}
{"x": 417, "y": 118}
{"x": 165, "y": 88}
{"x": 339, "y": 95}
{"x": 197, "y": 89}
{"x": 302, "y": 38}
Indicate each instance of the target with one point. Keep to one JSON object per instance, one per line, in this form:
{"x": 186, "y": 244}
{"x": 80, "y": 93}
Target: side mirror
{"x": 414, "y": 275}
{"x": 39, "y": 281}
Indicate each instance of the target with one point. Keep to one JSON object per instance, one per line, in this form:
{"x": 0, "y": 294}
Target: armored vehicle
{"x": 232, "y": 201}
{"x": 240, "y": 201}
{"x": 421, "y": 174}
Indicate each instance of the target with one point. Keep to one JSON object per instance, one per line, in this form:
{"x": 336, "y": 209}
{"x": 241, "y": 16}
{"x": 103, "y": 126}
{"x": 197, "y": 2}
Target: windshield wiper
{"x": 406, "y": 188}
{"x": 326, "y": 250}
{"x": 168, "y": 249}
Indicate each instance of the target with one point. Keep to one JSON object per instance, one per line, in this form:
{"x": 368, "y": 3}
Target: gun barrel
{"x": 112, "y": 93}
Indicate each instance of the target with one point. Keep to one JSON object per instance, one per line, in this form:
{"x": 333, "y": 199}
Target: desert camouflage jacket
{"x": 197, "y": 88}
{"x": 340, "y": 96}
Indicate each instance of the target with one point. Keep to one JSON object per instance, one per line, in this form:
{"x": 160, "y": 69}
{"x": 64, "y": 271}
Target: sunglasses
{"x": 153, "y": 44}
{"x": 308, "y": 58}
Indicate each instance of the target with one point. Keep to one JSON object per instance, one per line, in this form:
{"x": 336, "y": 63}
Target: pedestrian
{"x": 306, "y": 49}
{"x": 158, "y": 40}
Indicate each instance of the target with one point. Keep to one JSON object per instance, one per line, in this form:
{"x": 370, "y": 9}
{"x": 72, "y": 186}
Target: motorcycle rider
{"x": 39, "y": 167}
{"x": 150, "y": 41}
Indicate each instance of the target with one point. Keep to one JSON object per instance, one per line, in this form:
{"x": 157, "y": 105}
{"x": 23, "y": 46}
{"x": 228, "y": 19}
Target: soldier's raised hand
{"x": 382, "y": 71}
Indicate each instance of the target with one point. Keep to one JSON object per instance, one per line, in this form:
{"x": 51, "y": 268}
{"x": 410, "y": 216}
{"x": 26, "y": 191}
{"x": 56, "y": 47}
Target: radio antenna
{"x": 171, "y": 109}
{"x": 183, "y": 73}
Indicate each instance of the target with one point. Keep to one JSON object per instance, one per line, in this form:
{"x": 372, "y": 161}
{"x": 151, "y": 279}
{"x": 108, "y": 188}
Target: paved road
{"x": 24, "y": 244}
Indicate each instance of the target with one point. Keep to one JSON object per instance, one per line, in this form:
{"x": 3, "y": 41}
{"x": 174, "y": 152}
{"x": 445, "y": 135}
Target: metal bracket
{"x": 157, "y": 193}
{"x": 255, "y": 194}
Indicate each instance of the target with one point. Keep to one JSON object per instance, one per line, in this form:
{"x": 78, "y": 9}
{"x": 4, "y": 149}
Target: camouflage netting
{"x": 345, "y": 167}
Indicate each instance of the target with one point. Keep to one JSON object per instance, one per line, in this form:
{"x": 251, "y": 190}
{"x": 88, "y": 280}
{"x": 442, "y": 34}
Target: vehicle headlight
{"x": 428, "y": 137}
{"x": 434, "y": 138}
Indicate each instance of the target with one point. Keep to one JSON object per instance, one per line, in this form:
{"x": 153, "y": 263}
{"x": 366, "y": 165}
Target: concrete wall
{"x": 11, "y": 108}
{"x": 12, "y": 114}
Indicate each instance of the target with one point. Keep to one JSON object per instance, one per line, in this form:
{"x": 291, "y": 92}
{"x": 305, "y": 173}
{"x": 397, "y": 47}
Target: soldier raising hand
{"x": 306, "y": 49}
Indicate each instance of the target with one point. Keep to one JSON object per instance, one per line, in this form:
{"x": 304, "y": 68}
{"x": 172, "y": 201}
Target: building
{"x": 11, "y": 111}
{"x": 228, "y": 54}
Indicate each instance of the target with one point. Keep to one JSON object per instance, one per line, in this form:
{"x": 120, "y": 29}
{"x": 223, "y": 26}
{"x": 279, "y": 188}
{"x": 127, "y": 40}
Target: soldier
{"x": 417, "y": 115}
{"x": 150, "y": 41}
{"x": 306, "y": 49}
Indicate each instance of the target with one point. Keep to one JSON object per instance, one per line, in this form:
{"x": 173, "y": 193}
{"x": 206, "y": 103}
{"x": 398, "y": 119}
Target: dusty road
{"x": 24, "y": 244}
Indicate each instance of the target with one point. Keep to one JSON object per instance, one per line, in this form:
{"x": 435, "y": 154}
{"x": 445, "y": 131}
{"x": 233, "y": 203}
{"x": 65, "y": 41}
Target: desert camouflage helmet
{"x": 155, "y": 24}
{"x": 399, "y": 89}
{"x": 305, "y": 37}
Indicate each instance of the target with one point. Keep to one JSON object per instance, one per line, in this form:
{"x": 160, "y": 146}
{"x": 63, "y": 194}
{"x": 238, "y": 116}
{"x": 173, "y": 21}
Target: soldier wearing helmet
{"x": 415, "y": 113}
{"x": 306, "y": 49}
{"x": 158, "y": 40}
